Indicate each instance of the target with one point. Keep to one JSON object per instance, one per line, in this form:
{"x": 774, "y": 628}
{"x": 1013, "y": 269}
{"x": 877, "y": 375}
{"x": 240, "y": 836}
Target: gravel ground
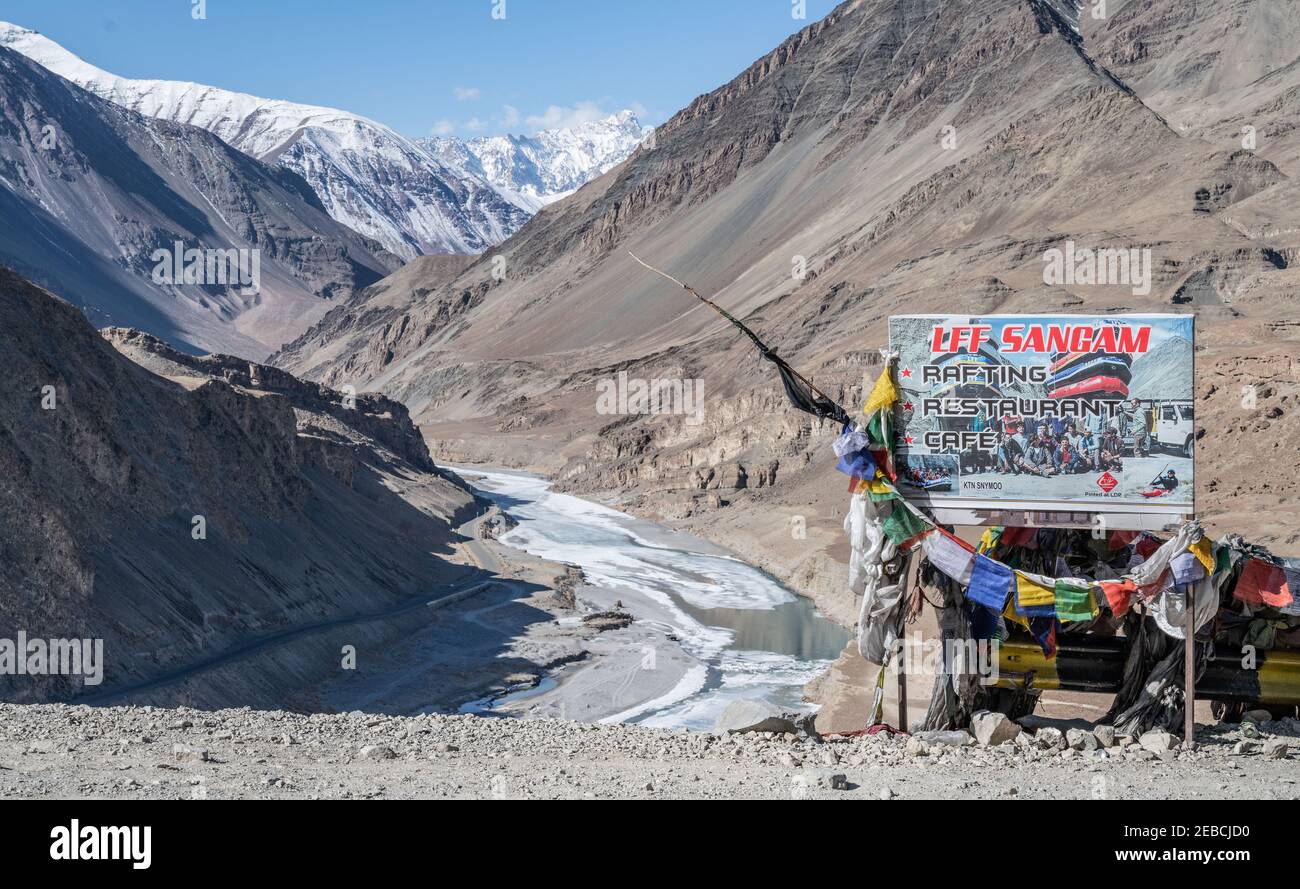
{"x": 60, "y": 751}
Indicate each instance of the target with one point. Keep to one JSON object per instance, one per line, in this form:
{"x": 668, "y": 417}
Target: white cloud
{"x": 510, "y": 117}
{"x": 465, "y": 93}
{"x": 442, "y": 128}
{"x": 474, "y": 125}
{"x": 558, "y": 117}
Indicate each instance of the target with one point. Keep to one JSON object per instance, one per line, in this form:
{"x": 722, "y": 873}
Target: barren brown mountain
{"x": 177, "y": 508}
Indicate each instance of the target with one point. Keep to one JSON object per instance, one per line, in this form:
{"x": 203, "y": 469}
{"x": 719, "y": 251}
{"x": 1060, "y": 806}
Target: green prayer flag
{"x": 878, "y": 428}
{"x": 903, "y": 524}
{"x": 1074, "y": 602}
{"x": 1223, "y": 560}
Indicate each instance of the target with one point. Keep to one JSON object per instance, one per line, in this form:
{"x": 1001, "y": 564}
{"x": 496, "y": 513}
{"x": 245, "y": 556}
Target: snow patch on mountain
{"x": 533, "y": 171}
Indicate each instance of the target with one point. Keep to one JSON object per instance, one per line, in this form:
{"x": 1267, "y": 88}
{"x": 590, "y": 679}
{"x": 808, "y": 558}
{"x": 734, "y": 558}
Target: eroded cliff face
{"x": 372, "y": 419}
{"x": 177, "y": 508}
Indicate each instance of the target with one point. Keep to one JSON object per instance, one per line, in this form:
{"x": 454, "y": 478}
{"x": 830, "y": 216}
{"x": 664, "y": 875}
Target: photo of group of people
{"x": 1051, "y": 447}
{"x": 1056, "y": 446}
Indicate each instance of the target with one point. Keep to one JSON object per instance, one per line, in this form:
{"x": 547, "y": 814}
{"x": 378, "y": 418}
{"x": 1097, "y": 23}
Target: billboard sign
{"x": 1046, "y": 413}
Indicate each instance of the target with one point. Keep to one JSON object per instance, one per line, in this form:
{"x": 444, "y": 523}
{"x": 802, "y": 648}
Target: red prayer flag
{"x": 1119, "y": 593}
{"x": 1121, "y": 539}
{"x": 1262, "y": 583}
{"x": 1146, "y": 545}
{"x": 1020, "y": 537}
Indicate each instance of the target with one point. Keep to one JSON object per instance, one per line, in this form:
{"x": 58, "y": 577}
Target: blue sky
{"x": 433, "y": 65}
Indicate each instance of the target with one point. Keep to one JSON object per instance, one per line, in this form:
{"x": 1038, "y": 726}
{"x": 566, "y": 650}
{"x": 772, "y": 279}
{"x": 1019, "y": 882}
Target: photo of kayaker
{"x": 1162, "y": 484}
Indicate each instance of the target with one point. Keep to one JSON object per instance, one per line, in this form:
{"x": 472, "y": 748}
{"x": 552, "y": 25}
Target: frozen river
{"x": 748, "y": 636}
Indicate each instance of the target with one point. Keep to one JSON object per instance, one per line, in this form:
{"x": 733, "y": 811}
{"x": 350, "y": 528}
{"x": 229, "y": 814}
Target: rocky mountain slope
{"x": 898, "y": 156}
{"x": 533, "y": 171}
{"x": 412, "y": 196}
{"x": 92, "y": 194}
{"x": 1210, "y": 69}
{"x": 176, "y": 508}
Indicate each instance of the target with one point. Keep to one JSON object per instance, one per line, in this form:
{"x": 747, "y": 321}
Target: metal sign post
{"x": 902, "y": 699}
{"x": 1189, "y": 670}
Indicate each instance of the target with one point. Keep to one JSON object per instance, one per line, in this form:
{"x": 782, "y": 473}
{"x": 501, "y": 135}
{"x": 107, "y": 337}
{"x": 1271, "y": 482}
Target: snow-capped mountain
{"x": 91, "y": 193}
{"x": 533, "y": 171}
{"x": 367, "y": 176}
{"x": 412, "y": 196}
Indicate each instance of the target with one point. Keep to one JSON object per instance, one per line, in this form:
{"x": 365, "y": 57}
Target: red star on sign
{"x": 907, "y": 405}
{"x": 908, "y": 439}
{"x": 907, "y": 372}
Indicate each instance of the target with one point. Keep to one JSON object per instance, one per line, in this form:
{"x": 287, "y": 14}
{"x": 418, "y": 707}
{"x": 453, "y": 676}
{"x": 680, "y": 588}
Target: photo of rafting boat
{"x": 928, "y": 472}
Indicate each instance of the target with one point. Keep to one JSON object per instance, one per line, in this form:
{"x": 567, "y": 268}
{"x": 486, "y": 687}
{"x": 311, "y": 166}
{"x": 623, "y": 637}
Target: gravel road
{"x": 61, "y": 751}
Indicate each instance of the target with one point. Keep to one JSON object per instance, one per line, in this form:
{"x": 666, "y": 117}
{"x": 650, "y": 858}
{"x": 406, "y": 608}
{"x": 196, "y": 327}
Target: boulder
{"x": 1105, "y": 735}
{"x": 1050, "y": 738}
{"x": 832, "y": 781}
{"x": 186, "y": 753}
{"x": 758, "y": 716}
{"x": 1276, "y": 748}
{"x": 1078, "y": 739}
{"x": 1258, "y": 716}
{"x": 377, "y": 751}
{"x": 1157, "y": 741}
{"x": 991, "y": 729}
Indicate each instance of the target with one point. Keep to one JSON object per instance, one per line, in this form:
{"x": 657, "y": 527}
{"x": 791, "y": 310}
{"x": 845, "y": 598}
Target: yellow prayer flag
{"x": 1030, "y": 592}
{"x": 988, "y": 540}
{"x": 1010, "y": 613}
{"x": 1204, "y": 552}
{"x": 883, "y": 394}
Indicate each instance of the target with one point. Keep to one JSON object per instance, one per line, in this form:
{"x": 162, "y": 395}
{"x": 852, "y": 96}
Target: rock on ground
{"x": 756, "y": 716}
{"x": 991, "y": 729}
